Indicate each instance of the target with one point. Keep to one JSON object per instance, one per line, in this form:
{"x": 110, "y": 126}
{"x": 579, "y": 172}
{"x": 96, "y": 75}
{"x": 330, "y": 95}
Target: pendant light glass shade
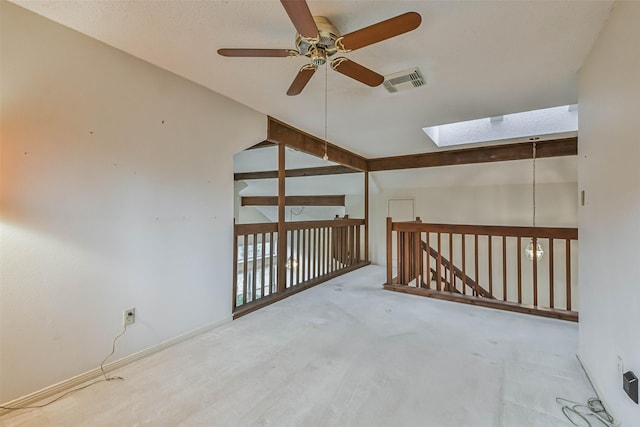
{"x": 292, "y": 263}
{"x": 530, "y": 252}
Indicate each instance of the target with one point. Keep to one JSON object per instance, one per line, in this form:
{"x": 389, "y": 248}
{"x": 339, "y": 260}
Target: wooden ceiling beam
{"x": 496, "y": 153}
{"x": 296, "y": 173}
{"x": 281, "y": 133}
{"x": 263, "y": 144}
{"x": 293, "y": 200}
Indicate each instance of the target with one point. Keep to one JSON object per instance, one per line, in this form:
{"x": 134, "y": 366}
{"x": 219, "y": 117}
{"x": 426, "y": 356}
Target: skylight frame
{"x": 528, "y": 124}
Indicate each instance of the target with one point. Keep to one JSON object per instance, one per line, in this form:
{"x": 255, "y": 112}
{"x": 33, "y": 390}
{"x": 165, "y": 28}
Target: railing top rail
{"x": 262, "y": 227}
{"x": 299, "y": 225}
{"x": 489, "y": 230}
{"x": 268, "y": 227}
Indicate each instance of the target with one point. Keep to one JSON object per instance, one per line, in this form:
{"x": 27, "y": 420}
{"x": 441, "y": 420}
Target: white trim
{"x": 67, "y": 384}
{"x": 597, "y": 391}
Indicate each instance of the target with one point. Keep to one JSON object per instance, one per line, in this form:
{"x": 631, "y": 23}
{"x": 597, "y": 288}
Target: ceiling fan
{"x": 319, "y": 40}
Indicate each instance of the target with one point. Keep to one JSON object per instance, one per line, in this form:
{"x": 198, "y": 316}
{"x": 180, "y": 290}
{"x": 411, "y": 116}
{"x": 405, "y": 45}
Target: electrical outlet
{"x": 129, "y": 316}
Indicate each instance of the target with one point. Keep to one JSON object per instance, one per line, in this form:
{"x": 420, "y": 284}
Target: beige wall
{"x": 117, "y": 192}
{"x": 556, "y": 206}
{"x": 609, "y": 173}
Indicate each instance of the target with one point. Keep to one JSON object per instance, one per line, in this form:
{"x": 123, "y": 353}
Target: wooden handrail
{"x": 523, "y": 287}
{"x": 267, "y": 227}
{"x": 489, "y": 230}
{"x": 274, "y": 260}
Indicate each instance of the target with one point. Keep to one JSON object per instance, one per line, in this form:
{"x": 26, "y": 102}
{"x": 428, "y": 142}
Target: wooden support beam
{"x": 282, "y": 232}
{"x": 293, "y": 201}
{"x": 366, "y": 216}
{"x": 496, "y": 153}
{"x": 295, "y": 173}
{"x": 282, "y": 133}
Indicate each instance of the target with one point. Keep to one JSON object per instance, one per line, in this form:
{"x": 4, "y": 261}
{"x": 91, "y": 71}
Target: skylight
{"x": 534, "y": 123}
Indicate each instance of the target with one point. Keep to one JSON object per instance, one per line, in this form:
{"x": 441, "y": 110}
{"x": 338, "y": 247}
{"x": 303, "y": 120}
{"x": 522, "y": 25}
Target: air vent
{"x": 404, "y": 80}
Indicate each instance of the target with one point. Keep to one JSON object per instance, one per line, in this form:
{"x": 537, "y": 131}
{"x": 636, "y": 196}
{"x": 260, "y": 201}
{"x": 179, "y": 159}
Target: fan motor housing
{"x": 328, "y": 34}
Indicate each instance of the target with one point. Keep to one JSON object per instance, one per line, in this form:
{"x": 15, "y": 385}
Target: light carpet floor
{"x": 345, "y": 353}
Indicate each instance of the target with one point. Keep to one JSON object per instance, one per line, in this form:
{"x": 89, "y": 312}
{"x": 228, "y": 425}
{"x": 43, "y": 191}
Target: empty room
{"x": 319, "y": 213}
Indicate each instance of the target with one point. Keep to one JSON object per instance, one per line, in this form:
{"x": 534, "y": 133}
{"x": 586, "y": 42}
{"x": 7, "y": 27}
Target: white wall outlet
{"x": 129, "y": 316}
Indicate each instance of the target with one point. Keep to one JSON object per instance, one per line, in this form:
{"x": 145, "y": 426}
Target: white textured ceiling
{"x": 480, "y": 58}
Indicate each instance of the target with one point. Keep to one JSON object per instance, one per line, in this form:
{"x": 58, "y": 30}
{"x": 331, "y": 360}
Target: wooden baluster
{"x": 235, "y": 268}
{"x": 399, "y": 256}
{"x": 320, "y": 249}
{"x": 535, "y": 272}
{"x": 297, "y": 257}
{"x": 291, "y": 248}
{"x": 475, "y": 248}
{"x": 464, "y": 265}
{"x": 316, "y": 257}
{"x": 519, "y": 270}
{"x": 254, "y": 262}
{"x": 504, "y": 268}
{"x": 310, "y": 254}
{"x": 303, "y": 256}
{"x": 452, "y": 275}
{"x": 244, "y": 268}
{"x": 417, "y": 255}
{"x": 357, "y": 245}
{"x": 339, "y": 234}
{"x": 389, "y": 250}
{"x": 427, "y": 269}
{"x": 271, "y": 272}
{"x": 490, "y": 266}
{"x": 439, "y": 264}
{"x": 327, "y": 250}
{"x": 262, "y": 266}
{"x": 407, "y": 276}
{"x": 568, "y": 270}
{"x": 551, "y": 290}
{"x": 330, "y": 240}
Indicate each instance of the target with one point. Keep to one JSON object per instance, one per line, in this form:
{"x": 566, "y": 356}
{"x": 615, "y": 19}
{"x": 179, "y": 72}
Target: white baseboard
{"x": 597, "y": 391}
{"x": 70, "y": 383}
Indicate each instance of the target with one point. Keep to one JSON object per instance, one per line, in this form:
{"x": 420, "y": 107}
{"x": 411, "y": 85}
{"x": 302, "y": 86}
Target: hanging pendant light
{"x": 529, "y": 251}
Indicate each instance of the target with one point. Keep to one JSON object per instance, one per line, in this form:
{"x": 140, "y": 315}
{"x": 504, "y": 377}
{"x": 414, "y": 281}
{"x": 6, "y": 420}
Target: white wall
{"x": 609, "y": 153}
{"x": 117, "y": 192}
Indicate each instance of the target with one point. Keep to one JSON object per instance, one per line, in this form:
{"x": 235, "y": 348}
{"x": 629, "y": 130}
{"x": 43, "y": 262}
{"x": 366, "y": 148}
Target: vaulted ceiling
{"x": 479, "y": 58}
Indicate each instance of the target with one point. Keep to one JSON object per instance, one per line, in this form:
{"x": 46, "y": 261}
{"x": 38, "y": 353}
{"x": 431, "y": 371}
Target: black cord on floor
{"x": 104, "y": 374}
{"x": 593, "y": 410}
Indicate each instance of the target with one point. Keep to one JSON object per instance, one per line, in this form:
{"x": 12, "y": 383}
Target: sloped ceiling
{"x": 479, "y": 58}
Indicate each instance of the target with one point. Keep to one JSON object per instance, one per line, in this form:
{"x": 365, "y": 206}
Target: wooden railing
{"x": 485, "y": 265}
{"x": 316, "y": 251}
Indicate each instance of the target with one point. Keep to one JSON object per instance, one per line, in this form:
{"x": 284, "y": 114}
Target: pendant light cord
{"x": 534, "y": 185}
{"x": 326, "y": 102}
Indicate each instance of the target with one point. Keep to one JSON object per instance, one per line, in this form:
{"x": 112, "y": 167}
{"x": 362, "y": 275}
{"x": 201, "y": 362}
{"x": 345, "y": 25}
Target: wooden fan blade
{"x": 381, "y": 31}
{"x": 301, "y": 80}
{"x": 301, "y": 17}
{"x": 357, "y": 72}
{"x": 279, "y": 53}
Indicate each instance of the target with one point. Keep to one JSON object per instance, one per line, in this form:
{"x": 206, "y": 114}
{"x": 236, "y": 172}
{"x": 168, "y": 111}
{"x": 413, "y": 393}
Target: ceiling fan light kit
{"x": 318, "y": 39}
